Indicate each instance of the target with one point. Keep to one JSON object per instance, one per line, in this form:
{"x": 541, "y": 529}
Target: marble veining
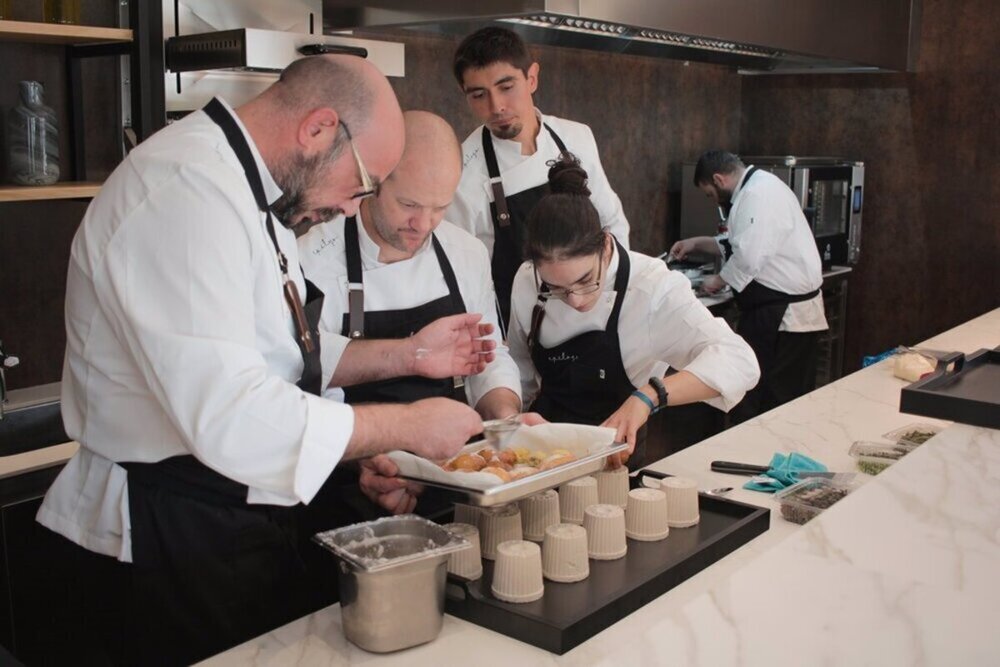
{"x": 904, "y": 571}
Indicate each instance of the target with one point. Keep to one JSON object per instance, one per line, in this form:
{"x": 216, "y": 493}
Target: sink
{"x": 25, "y": 429}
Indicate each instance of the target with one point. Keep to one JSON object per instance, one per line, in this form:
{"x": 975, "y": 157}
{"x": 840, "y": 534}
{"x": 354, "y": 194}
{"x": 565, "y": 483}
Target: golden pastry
{"x": 468, "y": 462}
{"x": 499, "y": 472}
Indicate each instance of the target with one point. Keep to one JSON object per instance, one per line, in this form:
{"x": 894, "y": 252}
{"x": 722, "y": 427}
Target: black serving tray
{"x": 965, "y": 389}
{"x": 568, "y": 614}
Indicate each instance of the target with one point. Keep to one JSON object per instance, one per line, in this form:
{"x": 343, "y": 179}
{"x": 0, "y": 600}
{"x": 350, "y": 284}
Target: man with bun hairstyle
{"x": 505, "y": 172}
{"x": 594, "y": 328}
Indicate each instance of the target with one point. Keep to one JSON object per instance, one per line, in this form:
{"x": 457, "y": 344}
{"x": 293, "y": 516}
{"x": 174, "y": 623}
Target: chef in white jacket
{"x": 192, "y": 373}
{"x": 595, "y": 328}
{"x": 774, "y": 269}
{"x": 505, "y": 160}
{"x": 398, "y": 265}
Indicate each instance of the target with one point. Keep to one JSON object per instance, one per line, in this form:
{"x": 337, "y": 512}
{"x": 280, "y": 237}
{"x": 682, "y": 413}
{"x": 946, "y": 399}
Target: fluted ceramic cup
{"x": 605, "y": 526}
{"x": 646, "y": 517}
{"x": 517, "y": 576}
{"x": 612, "y": 487}
{"x": 467, "y": 563}
{"x": 496, "y": 525}
{"x": 682, "y": 501}
{"x": 565, "y": 557}
{"x": 575, "y": 497}
{"x": 467, "y": 514}
{"x": 538, "y": 512}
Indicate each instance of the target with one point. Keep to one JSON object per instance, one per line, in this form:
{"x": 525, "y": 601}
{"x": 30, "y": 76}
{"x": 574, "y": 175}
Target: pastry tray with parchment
{"x": 591, "y": 458}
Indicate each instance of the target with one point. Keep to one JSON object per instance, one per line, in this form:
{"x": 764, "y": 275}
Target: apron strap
{"x": 449, "y": 276}
{"x": 621, "y": 286}
{"x": 493, "y": 169}
{"x": 355, "y": 281}
{"x": 308, "y": 336}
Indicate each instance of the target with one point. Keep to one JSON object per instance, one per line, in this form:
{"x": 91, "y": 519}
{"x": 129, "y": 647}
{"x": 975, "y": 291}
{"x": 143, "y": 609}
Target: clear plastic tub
{"x": 874, "y": 457}
{"x": 806, "y": 500}
{"x": 914, "y": 435}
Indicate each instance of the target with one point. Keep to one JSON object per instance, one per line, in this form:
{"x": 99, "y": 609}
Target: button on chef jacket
{"x": 180, "y": 341}
{"x": 772, "y": 244}
{"x": 402, "y": 285}
{"x": 662, "y": 325}
{"x": 471, "y": 208}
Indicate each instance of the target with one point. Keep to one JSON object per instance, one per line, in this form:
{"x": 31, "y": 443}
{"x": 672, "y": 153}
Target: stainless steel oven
{"x": 829, "y": 189}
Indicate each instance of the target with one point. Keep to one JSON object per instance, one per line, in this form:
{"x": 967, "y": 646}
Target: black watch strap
{"x": 661, "y": 392}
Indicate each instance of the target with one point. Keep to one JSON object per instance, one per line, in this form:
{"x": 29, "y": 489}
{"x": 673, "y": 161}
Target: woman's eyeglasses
{"x": 563, "y": 293}
{"x": 368, "y": 187}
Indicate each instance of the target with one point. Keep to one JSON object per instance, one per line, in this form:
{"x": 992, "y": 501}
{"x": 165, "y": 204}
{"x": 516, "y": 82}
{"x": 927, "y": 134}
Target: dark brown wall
{"x": 931, "y": 244}
{"x": 647, "y": 116}
{"x": 35, "y": 236}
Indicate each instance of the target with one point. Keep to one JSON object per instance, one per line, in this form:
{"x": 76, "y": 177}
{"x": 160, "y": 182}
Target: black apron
{"x": 761, "y": 312}
{"x": 509, "y": 214}
{"x": 583, "y": 379}
{"x": 209, "y": 570}
{"x": 395, "y": 324}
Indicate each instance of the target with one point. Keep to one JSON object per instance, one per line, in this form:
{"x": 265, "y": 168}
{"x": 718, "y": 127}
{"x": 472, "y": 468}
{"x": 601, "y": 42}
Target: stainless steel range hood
{"x": 755, "y": 35}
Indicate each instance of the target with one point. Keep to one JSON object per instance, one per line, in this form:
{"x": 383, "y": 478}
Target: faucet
{"x": 5, "y": 362}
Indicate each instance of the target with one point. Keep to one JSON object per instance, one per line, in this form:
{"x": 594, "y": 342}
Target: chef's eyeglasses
{"x": 368, "y": 187}
{"x": 563, "y": 293}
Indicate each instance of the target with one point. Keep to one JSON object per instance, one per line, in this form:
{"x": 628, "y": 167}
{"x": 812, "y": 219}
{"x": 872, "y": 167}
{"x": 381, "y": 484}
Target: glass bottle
{"x": 32, "y": 139}
{"x": 61, "y": 11}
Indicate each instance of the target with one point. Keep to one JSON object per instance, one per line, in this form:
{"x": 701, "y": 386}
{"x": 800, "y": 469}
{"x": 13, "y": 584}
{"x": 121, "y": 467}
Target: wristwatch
{"x": 661, "y": 393}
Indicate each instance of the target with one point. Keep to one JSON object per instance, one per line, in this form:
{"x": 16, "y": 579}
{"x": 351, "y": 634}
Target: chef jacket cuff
{"x": 329, "y": 426}
{"x": 734, "y": 277}
{"x": 716, "y": 371}
{"x": 331, "y": 350}
{"x": 484, "y": 383}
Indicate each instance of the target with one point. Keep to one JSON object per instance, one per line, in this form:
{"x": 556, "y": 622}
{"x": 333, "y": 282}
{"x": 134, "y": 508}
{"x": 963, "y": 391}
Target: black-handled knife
{"x": 734, "y": 468}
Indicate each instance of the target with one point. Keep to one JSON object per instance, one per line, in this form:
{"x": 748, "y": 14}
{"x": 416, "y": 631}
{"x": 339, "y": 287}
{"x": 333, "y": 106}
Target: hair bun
{"x": 567, "y": 176}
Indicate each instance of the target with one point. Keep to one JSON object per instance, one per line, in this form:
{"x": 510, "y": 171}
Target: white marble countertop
{"x": 905, "y": 570}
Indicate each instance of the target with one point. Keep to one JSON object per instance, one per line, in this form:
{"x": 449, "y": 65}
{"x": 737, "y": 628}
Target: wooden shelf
{"x": 58, "y": 33}
{"x": 65, "y": 190}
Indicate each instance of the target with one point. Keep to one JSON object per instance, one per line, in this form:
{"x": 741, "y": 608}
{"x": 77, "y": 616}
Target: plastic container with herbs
{"x": 809, "y": 498}
{"x": 874, "y": 457}
{"x": 913, "y": 434}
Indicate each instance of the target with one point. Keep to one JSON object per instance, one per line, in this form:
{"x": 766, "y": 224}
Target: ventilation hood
{"x": 758, "y": 36}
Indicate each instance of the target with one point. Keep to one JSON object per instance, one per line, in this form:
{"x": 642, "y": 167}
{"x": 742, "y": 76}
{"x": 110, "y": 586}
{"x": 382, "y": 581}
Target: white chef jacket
{"x": 661, "y": 325}
{"x": 179, "y": 339}
{"x": 772, "y": 244}
{"x": 470, "y": 209}
{"x": 400, "y": 285}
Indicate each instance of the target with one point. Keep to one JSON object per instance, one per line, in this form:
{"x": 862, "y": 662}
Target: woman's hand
{"x": 626, "y": 420}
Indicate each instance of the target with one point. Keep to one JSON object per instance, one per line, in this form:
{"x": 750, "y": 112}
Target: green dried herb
{"x": 809, "y": 501}
{"x": 872, "y": 467}
{"x": 917, "y": 437}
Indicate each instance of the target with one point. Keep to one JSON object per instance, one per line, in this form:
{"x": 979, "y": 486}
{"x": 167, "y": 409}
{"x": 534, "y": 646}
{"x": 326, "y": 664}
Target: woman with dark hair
{"x": 594, "y": 327}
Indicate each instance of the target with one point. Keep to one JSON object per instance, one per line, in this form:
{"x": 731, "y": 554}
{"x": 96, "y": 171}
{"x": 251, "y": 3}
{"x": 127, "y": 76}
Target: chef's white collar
{"x": 612, "y": 272}
{"x": 542, "y": 138}
{"x": 271, "y": 190}
{"x": 744, "y": 177}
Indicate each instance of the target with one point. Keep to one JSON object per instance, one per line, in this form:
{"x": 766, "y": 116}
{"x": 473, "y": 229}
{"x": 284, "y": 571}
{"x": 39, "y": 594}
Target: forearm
{"x": 373, "y": 360}
{"x": 498, "y": 403}
{"x": 706, "y": 245}
{"x": 682, "y": 388}
{"x": 377, "y": 429}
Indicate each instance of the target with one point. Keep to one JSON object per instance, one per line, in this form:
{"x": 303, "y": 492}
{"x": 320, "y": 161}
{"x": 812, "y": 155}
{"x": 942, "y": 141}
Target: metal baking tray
{"x": 965, "y": 389}
{"x": 571, "y": 613}
{"x": 529, "y": 486}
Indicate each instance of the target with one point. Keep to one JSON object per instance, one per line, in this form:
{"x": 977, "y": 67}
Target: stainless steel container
{"x": 392, "y": 578}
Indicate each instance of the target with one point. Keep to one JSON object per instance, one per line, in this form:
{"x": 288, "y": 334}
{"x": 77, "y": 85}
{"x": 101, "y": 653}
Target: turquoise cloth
{"x": 784, "y": 472}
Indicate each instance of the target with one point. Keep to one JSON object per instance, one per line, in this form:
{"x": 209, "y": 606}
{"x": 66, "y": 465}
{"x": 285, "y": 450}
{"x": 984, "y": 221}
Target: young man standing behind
{"x": 505, "y": 161}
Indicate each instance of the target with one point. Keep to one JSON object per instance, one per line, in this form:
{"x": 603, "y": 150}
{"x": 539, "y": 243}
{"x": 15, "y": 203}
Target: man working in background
{"x": 192, "y": 370}
{"x": 774, "y": 269}
{"x": 505, "y": 161}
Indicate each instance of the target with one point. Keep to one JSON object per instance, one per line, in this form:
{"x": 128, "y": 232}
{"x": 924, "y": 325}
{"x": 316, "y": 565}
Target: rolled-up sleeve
{"x": 178, "y": 284}
{"x": 684, "y": 333}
